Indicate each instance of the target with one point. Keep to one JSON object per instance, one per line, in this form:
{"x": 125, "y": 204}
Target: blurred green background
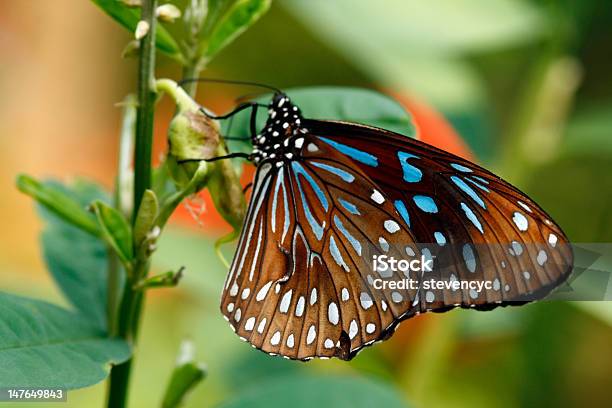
{"x": 526, "y": 84}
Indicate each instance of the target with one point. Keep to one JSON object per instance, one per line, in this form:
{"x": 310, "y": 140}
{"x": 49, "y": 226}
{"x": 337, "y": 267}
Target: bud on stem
{"x": 192, "y": 136}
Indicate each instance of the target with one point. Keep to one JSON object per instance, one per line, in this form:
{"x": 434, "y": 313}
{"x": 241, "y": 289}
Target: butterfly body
{"x": 273, "y": 144}
{"x": 328, "y": 196}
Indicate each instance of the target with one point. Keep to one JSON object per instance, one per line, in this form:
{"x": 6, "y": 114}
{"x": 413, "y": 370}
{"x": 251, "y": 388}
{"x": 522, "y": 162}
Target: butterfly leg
{"x": 236, "y": 138}
{"x": 224, "y": 157}
{"x": 253, "y": 119}
{"x": 247, "y": 156}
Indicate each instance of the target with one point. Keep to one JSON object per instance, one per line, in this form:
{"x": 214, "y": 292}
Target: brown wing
{"x": 479, "y": 227}
{"x": 300, "y": 284}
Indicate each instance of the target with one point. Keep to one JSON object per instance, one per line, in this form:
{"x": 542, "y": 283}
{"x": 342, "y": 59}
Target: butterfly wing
{"x": 483, "y": 228}
{"x": 300, "y": 283}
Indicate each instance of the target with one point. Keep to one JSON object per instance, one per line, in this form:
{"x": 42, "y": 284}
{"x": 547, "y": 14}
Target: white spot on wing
{"x": 313, "y": 296}
{"x": 299, "y": 307}
{"x": 353, "y": 329}
{"x": 516, "y": 248}
{"x": 261, "y": 326}
{"x": 245, "y": 293}
{"x": 365, "y": 300}
{"x": 469, "y": 258}
{"x": 377, "y": 197}
{"x": 525, "y": 206}
{"x": 384, "y": 245}
{"x": 345, "y": 294}
{"x": 542, "y": 257}
{"x": 312, "y": 334}
{"x": 391, "y": 226}
{"x": 275, "y": 338}
{"x": 312, "y": 148}
{"x": 263, "y": 292}
{"x": 332, "y": 313}
{"x": 285, "y": 302}
{"x": 250, "y": 323}
{"x": 520, "y": 221}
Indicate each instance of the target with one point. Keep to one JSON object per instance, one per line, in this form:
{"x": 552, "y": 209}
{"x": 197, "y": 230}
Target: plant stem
{"x": 123, "y": 199}
{"x": 146, "y": 106}
{"x": 191, "y": 71}
{"x": 122, "y": 202}
{"x": 131, "y": 302}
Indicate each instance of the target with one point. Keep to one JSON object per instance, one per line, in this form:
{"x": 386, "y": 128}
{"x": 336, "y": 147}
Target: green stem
{"x": 194, "y": 62}
{"x": 146, "y": 106}
{"x": 175, "y": 199}
{"x": 123, "y": 199}
{"x": 191, "y": 71}
{"x": 182, "y": 99}
{"x": 122, "y": 202}
{"x": 131, "y": 302}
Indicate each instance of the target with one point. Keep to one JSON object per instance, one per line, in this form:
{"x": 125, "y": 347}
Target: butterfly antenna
{"x": 229, "y": 81}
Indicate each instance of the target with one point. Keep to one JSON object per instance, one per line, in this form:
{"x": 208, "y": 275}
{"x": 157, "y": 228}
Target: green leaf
{"x": 321, "y": 391}
{"x": 334, "y": 103}
{"x": 163, "y": 280}
{"x": 600, "y": 310}
{"x": 129, "y": 17}
{"x": 42, "y": 345}
{"x": 185, "y": 376}
{"x": 115, "y": 230}
{"x": 76, "y": 259}
{"x": 588, "y": 132}
{"x": 424, "y": 48}
{"x": 226, "y": 20}
{"x": 78, "y": 263}
{"x": 147, "y": 213}
{"x": 57, "y": 201}
{"x": 411, "y": 27}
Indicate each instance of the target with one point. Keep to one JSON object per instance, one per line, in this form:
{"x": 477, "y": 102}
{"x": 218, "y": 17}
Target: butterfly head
{"x": 282, "y": 134}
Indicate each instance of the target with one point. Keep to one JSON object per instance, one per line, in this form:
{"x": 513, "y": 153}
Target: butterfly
{"x": 328, "y": 196}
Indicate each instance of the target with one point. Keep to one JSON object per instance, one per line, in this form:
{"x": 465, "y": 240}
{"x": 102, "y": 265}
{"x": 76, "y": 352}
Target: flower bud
{"x": 191, "y": 136}
{"x": 168, "y": 13}
{"x": 226, "y": 192}
{"x": 195, "y": 14}
{"x": 132, "y": 3}
{"x": 142, "y": 29}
